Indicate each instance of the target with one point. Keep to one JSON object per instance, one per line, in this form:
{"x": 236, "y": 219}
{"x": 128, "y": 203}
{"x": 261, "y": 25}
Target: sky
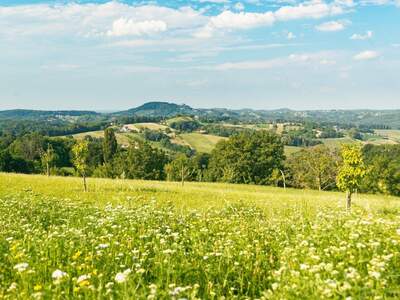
{"x": 261, "y": 54}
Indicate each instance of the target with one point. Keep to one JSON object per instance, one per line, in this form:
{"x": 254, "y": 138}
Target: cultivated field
{"x": 158, "y": 240}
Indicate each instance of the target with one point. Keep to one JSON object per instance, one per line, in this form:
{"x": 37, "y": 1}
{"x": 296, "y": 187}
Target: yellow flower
{"x": 76, "y": 255}
{"x": 37, "y": 288}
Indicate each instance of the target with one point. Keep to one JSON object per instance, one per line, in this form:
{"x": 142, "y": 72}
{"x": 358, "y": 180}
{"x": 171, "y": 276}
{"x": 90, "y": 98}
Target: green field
{"x": 201, "y": 142}
{"x": 391, "y": 135}
{"x": 159, "y": 240}
{"x": 122, "y": 138}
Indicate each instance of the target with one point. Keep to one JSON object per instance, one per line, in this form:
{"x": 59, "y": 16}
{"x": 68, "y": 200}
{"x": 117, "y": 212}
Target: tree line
{"x": 249, "y": 157}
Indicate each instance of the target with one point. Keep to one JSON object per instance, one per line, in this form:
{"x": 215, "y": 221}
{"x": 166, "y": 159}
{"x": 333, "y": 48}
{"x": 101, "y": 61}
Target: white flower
{"x": 303, "y": 267}
{"x": 21, "y": 267}
{"x": 12, "y": 287}
{"x": 58, "y": 275}
{"x": 103, "y": 246}
{"x": 82, "y": 278}
{"x": 398, "y": 231}
{"x": 121, "y": 277}
{"x": 375, "y": 274}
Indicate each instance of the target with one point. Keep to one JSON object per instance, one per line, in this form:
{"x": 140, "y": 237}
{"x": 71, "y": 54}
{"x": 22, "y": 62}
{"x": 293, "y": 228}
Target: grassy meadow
{"x": 158, "y": 240}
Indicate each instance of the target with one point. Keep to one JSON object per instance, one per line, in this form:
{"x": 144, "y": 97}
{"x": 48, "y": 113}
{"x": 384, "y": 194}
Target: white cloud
{"x": 214, "y": 1}
{"x": 241, "y": 20}
{"x": 313, "y": 9}
{"x": 123, "y": 26}
{"x": 366, "y": 55}
{"x": 239, "y": 6}
{"x": 88, "y": 20}
{"x": 347, "y": 3}
{"x": 362, "y": 37}
{"x": 292, "y": 60}
{"x": 290, "y": 36}
{"x": 331, "y": 26}
{"x": 229, "y": 20}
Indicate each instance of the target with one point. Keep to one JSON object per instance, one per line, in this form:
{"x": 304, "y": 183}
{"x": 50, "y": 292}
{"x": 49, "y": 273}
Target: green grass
{"x": 289, "y": 150}
{"x": 158, "y": 240}
{"x": 178, "y": 119}
{"x": 201, "y": 142}
{"x": 151, "y": 126}
{"x": 392, "y": 135}
{"x": 122, "y": 138}
{"x": 337, "y": 142}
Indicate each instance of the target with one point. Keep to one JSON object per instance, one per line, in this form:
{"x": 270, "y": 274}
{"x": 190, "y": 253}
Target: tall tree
{"x": 110, "y": 145}
{"x": 249, "y": 157}
{"x": 144, "y": 162}
{"x": 383, "y": 164}
{"x": 180, "y": 169}
{"x": 352, "y": 171}
{"x": 48, "y": 157}
{"x": 314, "y": 168}
{"x": 81, "y": 153}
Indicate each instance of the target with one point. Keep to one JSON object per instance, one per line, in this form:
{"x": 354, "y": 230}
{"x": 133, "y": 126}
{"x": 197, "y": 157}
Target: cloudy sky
{"x": 110, "y": 55}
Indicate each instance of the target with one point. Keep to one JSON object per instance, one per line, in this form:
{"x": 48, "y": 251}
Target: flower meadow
{"x": 55, "y": 248}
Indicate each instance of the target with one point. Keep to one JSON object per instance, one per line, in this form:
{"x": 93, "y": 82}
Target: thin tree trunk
{"x": 48, "y": 169}
{"x": 182, "y": 177}
{"x": 348, "y": 201}
{"x": 84, "y": 182}
{"x": 284, "y": 179}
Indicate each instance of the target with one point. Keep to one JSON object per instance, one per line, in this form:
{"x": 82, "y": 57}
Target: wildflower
{"x": 103, "y": 246}
{"x": 12, "y": 287}
{"x": 122, "y": 276}
{"x": 21, "y": 267}
{"x": 375, "y": 274}
{"x": 58, "y": 275}
{"x": 109, "y": 285}
{"x": 303, "y": 267}
{"x": 83, "y": 280}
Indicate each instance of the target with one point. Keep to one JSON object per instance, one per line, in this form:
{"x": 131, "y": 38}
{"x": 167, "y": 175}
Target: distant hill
{"x": 27, "y": 114}
{"x": 377, "y": 119}
{"x": 158, "y": 109}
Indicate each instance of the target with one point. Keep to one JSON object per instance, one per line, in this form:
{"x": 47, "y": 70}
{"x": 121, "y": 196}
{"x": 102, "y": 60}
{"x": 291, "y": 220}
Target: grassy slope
{"x": 392, "y": 135}
{"x": 201, "y": 142}
{"x": 192, "y": 195}
{"x": 200, "y": 241}
{"x": 122, "y": 138}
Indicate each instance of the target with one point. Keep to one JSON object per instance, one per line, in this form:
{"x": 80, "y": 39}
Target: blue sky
{"x": 218, "y": 53}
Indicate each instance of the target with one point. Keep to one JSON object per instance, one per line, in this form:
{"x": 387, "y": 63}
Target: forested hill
{"x": 34, "y": 114}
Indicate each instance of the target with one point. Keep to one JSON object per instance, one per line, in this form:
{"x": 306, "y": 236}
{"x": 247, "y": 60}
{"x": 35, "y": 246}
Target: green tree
{"x": 383, "y": 165}
{"x": 80, "y": 159}
{"x": 249, "y": 157}
{"x": 182, "y": 168}
{"x": 352, "y": 171}
{"x": 144, "y": 162}
{"x": 110, "y": 145}
{"x": 48, "y": 157}
{"x": 314, "y": 168}
{"x": 28, "y": 147}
